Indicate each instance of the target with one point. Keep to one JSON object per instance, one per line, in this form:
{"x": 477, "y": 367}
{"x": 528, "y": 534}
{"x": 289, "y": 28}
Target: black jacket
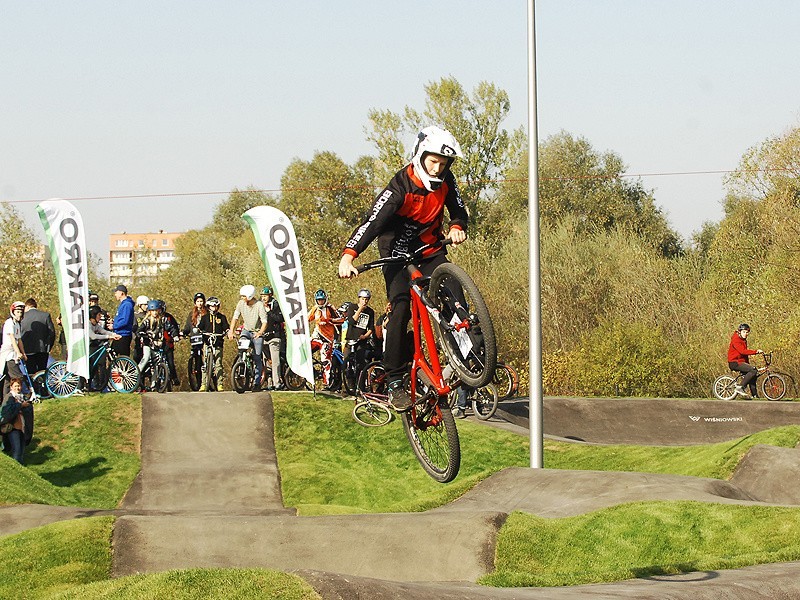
{"x": 38, "y": 331}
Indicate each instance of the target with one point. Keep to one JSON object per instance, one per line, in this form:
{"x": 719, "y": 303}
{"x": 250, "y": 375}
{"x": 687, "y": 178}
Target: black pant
{"x": 36, "y": 361}
{"x": 122, "y": 346}
{"x": 750, "y": 374}
{"x": 396, "y": 354}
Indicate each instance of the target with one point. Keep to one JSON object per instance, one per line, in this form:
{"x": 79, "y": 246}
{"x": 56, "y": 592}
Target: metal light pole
{"x": 535, "y": 312}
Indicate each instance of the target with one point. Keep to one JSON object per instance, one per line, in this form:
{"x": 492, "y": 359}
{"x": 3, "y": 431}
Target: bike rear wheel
{"x": 240, "y": 377}
{"x": 160, "y": 377}
{"x": 371, "y": 414}
{"x": 372, "y": 378}
{"x": 293, "y": 381}
{"x": 124, "y": 375}
{"x": 60, "y": 382}
{"x": 350, "y": 375}
{"x": 773, "y": 387}
{"x": 725, "y": 387}
{"x": 434, "y": 438}
{"x": 484, "y": 402}
{"x": 471, "y": 349}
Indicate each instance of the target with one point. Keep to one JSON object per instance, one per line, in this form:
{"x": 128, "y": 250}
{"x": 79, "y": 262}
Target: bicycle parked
{"x": 483, "y": 400}
{"x": 120, "y": 373}
{"x": 773, "y": 385}
{"x": 449, "y": 303}
{"x": 506, "y": 380}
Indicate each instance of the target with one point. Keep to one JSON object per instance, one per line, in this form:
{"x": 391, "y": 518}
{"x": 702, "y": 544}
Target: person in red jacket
{"x": 739, "y": 360}
{"x": 406, "y": 215}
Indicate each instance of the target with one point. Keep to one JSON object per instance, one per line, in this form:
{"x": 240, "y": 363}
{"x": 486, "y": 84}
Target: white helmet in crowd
{"x": 248, "y": 291}
{"x": 142, "y": 300}
{"x": 433, "y": 140}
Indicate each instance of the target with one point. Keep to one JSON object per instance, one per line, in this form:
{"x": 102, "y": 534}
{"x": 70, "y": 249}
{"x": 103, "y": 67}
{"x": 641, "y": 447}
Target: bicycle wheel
{"x": 433, "y": 436}
{"x": 293, "y": 381}
{"x": 372, "y": 378}
{"x": 240, "y": 376}
{"x": 471, "y": 349}
{"x": 160, "y": 376}
{"x": 124, "y": 375}
{"x": 39, "y": 382}
{"x": 725, "y": 387}
{"x": 505, "y": 380}
{"x": 211, "y": 379}
{"x": 194, "y": 370}
{"x": 773, "y": 387}
{"x": 484, "y": 402}
{"x": 371, "y": 414}
{"x": 60, "y": 382}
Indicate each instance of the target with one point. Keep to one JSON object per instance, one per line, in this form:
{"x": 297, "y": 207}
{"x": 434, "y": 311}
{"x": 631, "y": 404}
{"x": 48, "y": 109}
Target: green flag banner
{"x": 66, "y": 239}
{"x": 277, "y": 245}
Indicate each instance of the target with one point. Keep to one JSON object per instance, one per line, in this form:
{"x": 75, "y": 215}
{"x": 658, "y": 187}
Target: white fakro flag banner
{"x": 66, "y": 239}
{"x": 277, "y": 245}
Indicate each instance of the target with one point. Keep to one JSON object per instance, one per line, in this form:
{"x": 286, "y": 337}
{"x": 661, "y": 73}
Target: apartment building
{"x": 135, "y": 258}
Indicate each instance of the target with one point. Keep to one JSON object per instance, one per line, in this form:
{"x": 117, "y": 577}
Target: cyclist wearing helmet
{"x": 214, "y": 322}
{"x": 406, "y": 215}
{"x": 274, "y": 336}
{"x": 739, "y": 360}
{"x": 360, "y": 319}
{"x": 326, "y": 318}
{"x": 97, "y": 335}
{"x": 154, "y": 330}
{"x": 255, "y": 320}
{"x": 11, "y": 351}
{"x": 197, "y": 312}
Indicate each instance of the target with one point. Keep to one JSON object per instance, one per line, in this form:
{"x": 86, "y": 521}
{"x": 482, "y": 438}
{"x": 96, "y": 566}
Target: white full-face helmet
{"x": 433, "y": 140}
{"x": 248, "y": 291}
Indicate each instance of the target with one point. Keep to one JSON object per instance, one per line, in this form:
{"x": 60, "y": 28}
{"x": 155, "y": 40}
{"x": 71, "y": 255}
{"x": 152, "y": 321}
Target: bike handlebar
{"x": 406, "y": 258}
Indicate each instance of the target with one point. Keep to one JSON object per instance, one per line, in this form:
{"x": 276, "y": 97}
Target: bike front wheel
{"x": 372, "y": 378}
{"x": 195, "y": 372}
{"x": 773, "y": 387}
{"x": 240, "y": 377}
{"x": 467, "y": 335}
{"x": 484, "y": 402}
{"x": 725, "y": 387}
{"x": 432, "y": 433}
{"x": 60, "y": 382}
{"x": 293, "y": 381}
{"x": 371, "y": 414}
{"x": 124, "y": 375}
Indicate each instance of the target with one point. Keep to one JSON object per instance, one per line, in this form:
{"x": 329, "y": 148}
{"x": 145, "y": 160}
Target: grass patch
{"x": 717, "y": 461}
{"x": 330, "y": 464}
{"x": 198, "y": 584}
{"x": 85, "y": 452}
{"x": 640, "y": 540}
{"x": 42, "y": 561}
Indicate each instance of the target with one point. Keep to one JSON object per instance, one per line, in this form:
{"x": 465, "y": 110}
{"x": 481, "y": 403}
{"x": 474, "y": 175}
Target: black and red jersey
{"x": 406, "y": 216}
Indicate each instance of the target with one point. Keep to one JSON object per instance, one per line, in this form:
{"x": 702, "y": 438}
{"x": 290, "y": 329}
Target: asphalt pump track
{"x": 212, "y": 499}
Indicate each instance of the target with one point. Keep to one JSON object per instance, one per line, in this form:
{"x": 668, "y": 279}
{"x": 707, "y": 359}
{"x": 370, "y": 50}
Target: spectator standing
{"x": 62, "y": 338}
{"x": 123, "y": 321}
{"x": 273, "y": 335}
{"x": 138, "y": 317}
{"x": 38, "y": 336}
{"x": 94, "y": 300}
{"x": 11, "y": 350}
{"x": 360, "y": 327}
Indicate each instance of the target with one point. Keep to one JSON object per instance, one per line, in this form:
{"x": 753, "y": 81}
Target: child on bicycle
{"x": 97, "y": 335}
{"x": 739, "y": 360}
{"x": 214, "y": 322}
{"x": 406, "y": 215}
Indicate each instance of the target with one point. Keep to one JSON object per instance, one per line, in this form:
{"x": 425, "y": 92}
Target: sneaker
{"x": 398, "y": 397}
{"x": 220, "y": 386}
{"x": 203, "y": 388}
{"x": 257, "y": 387}
{"x": 739, "y": 390}
{"x": 176, "y": 382}
{"x": 459, "y": 413}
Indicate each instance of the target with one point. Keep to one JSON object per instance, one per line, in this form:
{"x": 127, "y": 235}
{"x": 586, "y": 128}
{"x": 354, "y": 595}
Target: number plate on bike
{"x": 462, "y": 337}
{"x": 196, "y": 340}
{"x": 244, "y": 343}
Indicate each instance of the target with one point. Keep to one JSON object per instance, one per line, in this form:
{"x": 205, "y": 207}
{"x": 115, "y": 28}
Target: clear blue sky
{"x": 126, "y": 98}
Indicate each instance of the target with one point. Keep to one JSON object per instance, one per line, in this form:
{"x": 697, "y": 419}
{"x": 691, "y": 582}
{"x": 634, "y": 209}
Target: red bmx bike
{"x": 450, "y": 303}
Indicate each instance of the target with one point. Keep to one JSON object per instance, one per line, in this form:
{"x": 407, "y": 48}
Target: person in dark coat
{"x": 38, "y": 336}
